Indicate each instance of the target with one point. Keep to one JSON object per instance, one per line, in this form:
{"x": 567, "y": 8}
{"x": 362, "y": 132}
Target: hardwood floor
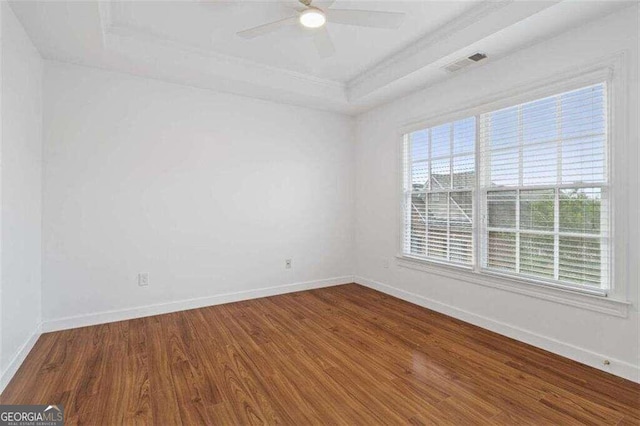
{"x": 338, "y": 355}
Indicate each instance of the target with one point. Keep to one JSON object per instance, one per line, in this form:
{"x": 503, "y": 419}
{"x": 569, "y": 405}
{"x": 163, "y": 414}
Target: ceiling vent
{"x": 465, "y": 62}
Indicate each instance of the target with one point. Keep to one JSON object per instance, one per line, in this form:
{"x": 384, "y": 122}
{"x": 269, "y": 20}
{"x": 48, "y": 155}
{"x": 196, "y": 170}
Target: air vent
{"x": 465, "y": 62}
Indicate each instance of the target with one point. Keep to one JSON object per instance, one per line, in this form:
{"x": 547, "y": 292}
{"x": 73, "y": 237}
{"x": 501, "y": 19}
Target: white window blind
{"x": 544, "y": 182}
{"x": 542, "y": 191}
{"x": 439, "y": 170}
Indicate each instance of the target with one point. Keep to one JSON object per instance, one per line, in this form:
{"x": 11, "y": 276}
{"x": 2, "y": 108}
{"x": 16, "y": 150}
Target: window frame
{"x": 429, "y": 160}
{"x": 555, "y": 233}
{"x": 608, "y": 71}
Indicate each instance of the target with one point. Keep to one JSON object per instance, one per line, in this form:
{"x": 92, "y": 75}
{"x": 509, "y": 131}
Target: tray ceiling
{"x": 195, "y": 43}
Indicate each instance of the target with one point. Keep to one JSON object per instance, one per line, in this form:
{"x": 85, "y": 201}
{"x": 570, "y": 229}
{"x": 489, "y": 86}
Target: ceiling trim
{"x": 487, "y": 18}
{"x": 443, "y": 32}
{"x": 155, "y": 54}
{"x": 111, "y": 28}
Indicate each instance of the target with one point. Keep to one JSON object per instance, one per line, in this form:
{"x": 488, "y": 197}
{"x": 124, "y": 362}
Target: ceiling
{"x": 195, "y": 43}
{"x": 212, "y": 26}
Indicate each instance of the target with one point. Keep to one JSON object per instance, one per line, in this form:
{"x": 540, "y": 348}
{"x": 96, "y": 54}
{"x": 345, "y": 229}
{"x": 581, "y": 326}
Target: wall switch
{"x": 287, "y": 264}
{"x": 143, "y": 279}
{"x": 385, "y": 264}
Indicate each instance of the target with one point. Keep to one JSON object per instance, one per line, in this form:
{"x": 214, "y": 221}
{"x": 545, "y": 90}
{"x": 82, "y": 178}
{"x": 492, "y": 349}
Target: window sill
{"x": 597, "y": 303}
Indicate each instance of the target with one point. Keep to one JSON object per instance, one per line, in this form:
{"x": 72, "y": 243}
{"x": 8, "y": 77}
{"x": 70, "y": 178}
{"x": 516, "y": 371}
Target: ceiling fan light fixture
{"x": 313, "y": 18}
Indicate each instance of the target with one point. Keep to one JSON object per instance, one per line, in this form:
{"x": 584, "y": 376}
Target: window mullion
{"x": 426, "y": 224}
{"x": 520, "y": 148}
{"x": 556, "y": 235}
{"x": 449, "y": 225}
{"x": 408, "y": 180}
{"x": 556, "y": 202}
{"x": 430, "y": 159}
{"x": 520, "y": 183}
{"x": 426, "y": 196}
{"x": 449, "y": 193}
{"x": 517, "y": 253}
{"x": 478, "y": 235}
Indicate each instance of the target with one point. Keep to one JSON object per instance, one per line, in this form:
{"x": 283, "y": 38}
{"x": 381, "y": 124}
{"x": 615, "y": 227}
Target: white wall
{"x": 575, "y": 332}
{"x": 21, "y": 155}
{"x": 207, "y": 192}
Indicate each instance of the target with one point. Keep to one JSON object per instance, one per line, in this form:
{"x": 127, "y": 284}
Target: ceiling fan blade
{"x": 365, "y": 18}
{"x": 293, "y": 4}
{"x": 323, "y": 4}
{"x": 267, "y": 28}
{"x": 323, "y": 42}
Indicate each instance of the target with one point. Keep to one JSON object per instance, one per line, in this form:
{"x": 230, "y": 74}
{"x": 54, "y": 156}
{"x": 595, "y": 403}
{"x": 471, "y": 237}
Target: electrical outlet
{"x": 287, "y": 264}
{"x": 143, "y": 279}
{"x": 385, "y": 264}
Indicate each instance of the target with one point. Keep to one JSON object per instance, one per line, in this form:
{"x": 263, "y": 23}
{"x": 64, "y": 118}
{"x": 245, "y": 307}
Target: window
{"x": 541, "y": 190}
{"x": 440, "y": 179}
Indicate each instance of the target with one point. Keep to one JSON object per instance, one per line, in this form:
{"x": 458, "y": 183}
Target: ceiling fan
{"x": 320, "y": 13}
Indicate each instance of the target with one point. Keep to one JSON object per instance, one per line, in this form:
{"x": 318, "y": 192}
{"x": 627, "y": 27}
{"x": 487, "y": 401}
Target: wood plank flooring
{"x": 338, "y": 355}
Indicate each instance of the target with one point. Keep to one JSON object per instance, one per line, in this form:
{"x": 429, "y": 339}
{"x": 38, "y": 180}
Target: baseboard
{"x": 181, "y": 305}
{"x": 617, "y": 367}
{"x": 19, "y": 358}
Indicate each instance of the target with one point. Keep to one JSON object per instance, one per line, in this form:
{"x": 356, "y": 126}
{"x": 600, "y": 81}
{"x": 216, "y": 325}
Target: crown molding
{"x": 126, "y": 39}
{"x": 143, "y": 52}
{"x": 147, "y": 36}
{"x": 450, "y": 39}
{"x": 113, "y": 33}
{"x": 441, "y": 33}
